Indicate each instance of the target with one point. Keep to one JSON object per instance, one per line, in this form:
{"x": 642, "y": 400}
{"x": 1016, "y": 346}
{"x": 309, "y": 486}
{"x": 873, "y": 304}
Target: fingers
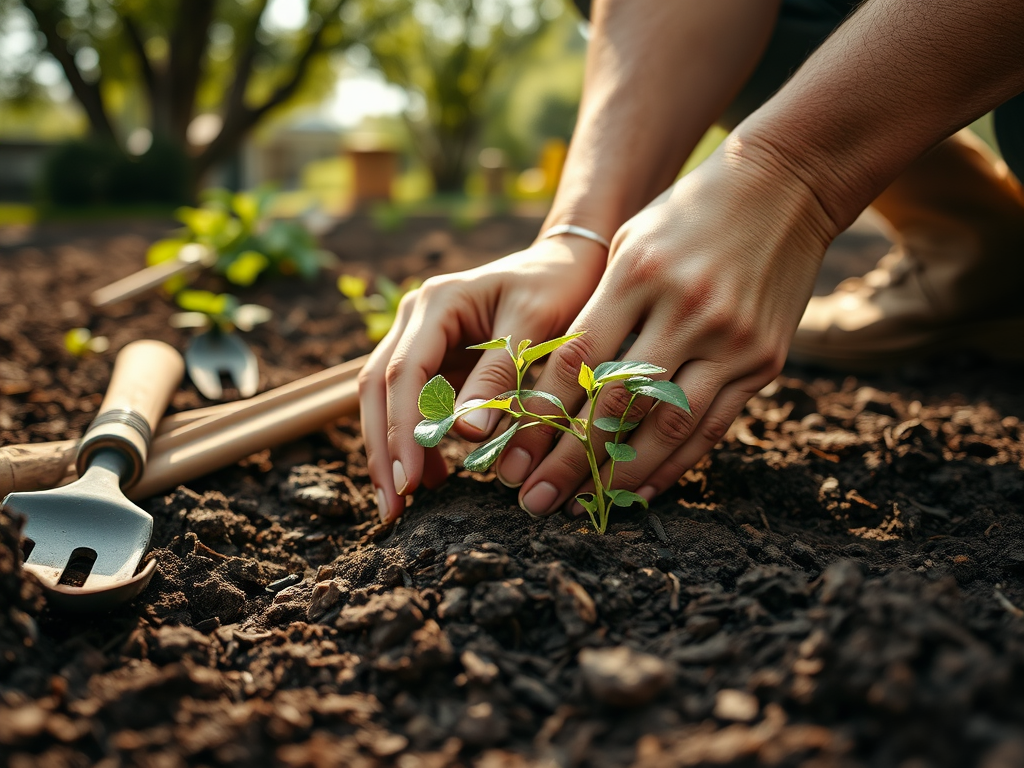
{"x": 560, "y": 475}
{"x": 417, "y": 356}
{"x": 373, "y": 415}
{"x": 606, "y": 325}
{"x": 670, "y": 442}
{"x": 493, "y": 374}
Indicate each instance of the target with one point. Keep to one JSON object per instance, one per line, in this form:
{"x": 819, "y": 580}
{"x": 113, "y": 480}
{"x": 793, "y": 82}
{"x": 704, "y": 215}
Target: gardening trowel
{"x": 85, "y": 540}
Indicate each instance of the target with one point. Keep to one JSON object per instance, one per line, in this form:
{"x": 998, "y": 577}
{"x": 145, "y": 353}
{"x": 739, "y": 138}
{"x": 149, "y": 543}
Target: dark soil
{"x": 840, "y": 583}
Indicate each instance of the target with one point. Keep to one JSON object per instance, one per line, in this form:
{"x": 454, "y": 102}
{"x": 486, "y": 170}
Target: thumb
{"x": 494, "y": 374}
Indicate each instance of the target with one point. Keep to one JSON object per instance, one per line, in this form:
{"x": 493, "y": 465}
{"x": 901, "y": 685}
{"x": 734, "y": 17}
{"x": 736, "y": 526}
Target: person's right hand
{"x": 532, "y": 294}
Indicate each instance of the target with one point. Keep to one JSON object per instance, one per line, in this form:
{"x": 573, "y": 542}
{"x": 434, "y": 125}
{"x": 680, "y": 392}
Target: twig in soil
{"x": 764, "y": 519}
{"x": 1004, "y": 601}
{"x": 673, "y": 600}
{"x": 937, "y": 511}
{"x": 276, "y": 586}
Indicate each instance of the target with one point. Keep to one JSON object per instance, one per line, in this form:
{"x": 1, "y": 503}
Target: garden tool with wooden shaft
{"x": 89, "y": 527}
{"x": 951, "y": 282}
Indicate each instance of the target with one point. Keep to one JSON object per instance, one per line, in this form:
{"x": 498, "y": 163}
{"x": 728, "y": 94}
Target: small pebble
{"x": 276, "y": 586}
{"x": 731, "y": 704}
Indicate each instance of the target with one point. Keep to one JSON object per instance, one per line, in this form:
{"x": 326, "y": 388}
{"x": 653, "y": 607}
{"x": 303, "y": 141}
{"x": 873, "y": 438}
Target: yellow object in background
{"x": 552, "y": 160}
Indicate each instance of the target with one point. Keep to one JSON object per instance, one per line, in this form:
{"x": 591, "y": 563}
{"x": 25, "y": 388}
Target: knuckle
{"x": 493, "y": 378}
{"x": 566, "y": 360}
{"x": 672, "y": 426}
{"x": 713, "y": 427}
{"x": 396, "y": 370}
{"x": 615, "y": 399}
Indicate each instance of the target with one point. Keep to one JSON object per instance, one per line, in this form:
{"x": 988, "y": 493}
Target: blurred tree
{"x": 188, "y": 57}
{"x": 452, "y": 57}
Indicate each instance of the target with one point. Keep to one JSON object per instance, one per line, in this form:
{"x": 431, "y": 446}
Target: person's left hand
{"x": 713, "y": 276}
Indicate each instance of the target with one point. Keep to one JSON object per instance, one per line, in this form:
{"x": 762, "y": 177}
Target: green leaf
{"x": 204, "y": 222}
{"x": 246, "y": 267}
{"x": 620, "y": 451}
{"x": 378, "y": 324}
{"x": 586, "y": 378}
{"x": 164, "y": 250}
{"x": 505, "y": 343}
{"x": 352, "y": 287}
{"x": 548, "y": 347}
{"x": 437, "y": 399}
{"x": 247, "y": 206}
{"x": 666, "y": 391}
{"x": 624, "y": 369}
{"x": 624, "y": 498}
{"x": 389, "y": 290}
{"x": 589, "y": 504}
{"x": 526, "y": 394}
{"x": 429, "y": 432}
{"x": 611, "y": 424}
{"x": 484, "y": 456}
{"x": 207, "y": 302}
{"x": 523, "y": 346}
{"x": 501, "y": 403}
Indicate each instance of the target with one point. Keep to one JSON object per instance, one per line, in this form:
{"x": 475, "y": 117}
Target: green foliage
{"x": 80, "y": 342}
{"x": 92, "y": 172}
{"x": 204, "y": 309}
{"x": 247, "y": 243}
{"x": 455, "y": 56}
{"x": 437, "y": 405}
{"x": 379, "y": 309}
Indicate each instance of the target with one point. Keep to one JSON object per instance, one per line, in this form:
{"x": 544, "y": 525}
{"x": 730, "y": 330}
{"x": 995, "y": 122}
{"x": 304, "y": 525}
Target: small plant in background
{"x": 80, "y": 342}
{"x": 205, "y": 309}
{"x": 379, "y": 309}
{"x": 246, "y": 241}
{"x": 437, "y": 404}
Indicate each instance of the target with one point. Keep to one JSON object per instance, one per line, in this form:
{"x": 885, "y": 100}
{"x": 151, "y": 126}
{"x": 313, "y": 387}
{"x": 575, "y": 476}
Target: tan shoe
{"x": 953, "y": 281}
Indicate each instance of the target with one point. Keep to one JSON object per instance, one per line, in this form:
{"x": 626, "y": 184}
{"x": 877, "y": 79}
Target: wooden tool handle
{"x": 146, "y": 373}
{"x": 143, "y": 280}
{"x": 34, "y": 466}
{"x": 203, "y": 446}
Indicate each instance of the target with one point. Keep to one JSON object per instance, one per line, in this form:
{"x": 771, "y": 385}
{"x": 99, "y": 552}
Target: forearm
{"x": 893, "y": 81}
{"x": 658, "y": 74}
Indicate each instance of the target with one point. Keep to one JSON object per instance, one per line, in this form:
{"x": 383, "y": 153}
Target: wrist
{"x": 802, "y": 186}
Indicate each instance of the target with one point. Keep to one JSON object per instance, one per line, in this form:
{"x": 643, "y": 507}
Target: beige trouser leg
{"x": 953, "y": 279}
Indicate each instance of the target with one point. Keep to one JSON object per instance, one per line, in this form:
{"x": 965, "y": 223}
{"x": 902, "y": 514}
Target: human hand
{"x": 531, "y": 294}
{"x": 714, "y": 276}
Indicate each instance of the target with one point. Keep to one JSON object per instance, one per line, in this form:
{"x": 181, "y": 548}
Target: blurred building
{"x": 279, "y": 156}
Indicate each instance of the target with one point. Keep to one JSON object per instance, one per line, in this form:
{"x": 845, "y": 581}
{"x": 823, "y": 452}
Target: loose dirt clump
{"x": 840, "y": 583}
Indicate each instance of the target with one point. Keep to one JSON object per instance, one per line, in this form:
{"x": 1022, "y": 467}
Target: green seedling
{"x": 246, "y": 241}
{"x": 80, "y": 342}
{"x": 205, "y": 309}
{"x": 379, "y": 309}
{"x": 437, "y": 404}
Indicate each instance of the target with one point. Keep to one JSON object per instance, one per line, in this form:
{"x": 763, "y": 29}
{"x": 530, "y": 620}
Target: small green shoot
{"x": 437, "y": 404}
{"x": 80, "y": 342}
{"x": 379, "y": 309}
{"x": 205, "y": 309}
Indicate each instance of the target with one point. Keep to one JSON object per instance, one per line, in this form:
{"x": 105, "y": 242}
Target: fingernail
{"x": 538, "y": 500}
{"x": 382, "y": 506}
{"x": 479, "y": 420}
{"x": 513, "y": 467}
{"x": 400, "y": 480}
{"x": 648, "y": 492}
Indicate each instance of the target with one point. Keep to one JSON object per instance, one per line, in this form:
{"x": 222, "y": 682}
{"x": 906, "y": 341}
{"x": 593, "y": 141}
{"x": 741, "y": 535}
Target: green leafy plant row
{"x": 437, "y": 405}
